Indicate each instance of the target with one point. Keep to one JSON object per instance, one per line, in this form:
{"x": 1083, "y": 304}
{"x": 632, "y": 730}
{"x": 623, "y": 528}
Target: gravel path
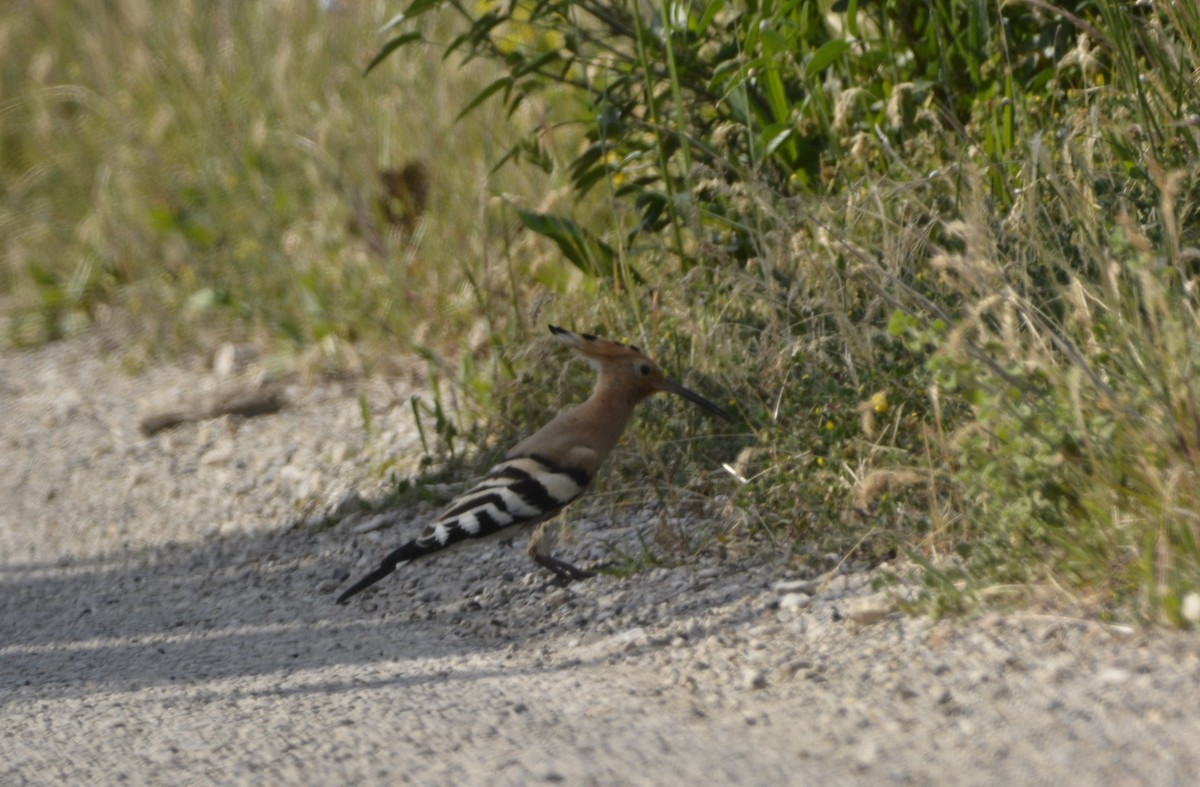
{"x": 167, "y": 617}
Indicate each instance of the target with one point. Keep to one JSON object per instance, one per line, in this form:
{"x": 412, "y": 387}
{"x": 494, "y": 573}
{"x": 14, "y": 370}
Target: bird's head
{"x": 626, "y": 368}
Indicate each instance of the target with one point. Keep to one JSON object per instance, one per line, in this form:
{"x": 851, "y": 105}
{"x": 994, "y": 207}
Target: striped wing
{"x": 521, "y": 490}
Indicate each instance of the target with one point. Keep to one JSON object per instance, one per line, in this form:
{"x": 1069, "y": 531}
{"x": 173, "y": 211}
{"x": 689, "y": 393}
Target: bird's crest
{"x": 637, "y": 379}
{"x": 553, "y": 466}
{"x": 592, "y": 347}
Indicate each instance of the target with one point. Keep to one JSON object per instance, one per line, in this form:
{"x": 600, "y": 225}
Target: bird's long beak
{"x": 673, "y": 387}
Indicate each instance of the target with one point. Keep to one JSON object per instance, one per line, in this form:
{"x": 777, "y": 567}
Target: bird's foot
{"x": 564, "y": 572}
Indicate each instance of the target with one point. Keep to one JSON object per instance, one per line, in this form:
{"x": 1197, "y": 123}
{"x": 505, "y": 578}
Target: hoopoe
{"x": 552, "y": 467}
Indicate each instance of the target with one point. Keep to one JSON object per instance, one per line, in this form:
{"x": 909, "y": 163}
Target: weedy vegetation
{"x": 941, "y": 258}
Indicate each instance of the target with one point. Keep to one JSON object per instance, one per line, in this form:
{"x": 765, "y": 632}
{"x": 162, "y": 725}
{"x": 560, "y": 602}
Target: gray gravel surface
{"x": 167, "y": 617}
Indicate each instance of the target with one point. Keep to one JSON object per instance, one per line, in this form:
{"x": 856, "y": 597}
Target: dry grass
{"x": 218, "y": 170}
{"x": 974, "y": 342}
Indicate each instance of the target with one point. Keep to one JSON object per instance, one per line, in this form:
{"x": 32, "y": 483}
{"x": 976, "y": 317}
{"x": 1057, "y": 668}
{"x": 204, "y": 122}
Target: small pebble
{"x": 1190, "y": 608}
{"x": 219, "y": 454}
{"x": 794, "y": 602}
{"x": 806, "y": 586}
{"x": 940, "y": 694}
{"x": 866, "y": 611}
{"x": 1113, "y": 676}
{"x": 374, "y": 523}
{"x": 753, "y": 679}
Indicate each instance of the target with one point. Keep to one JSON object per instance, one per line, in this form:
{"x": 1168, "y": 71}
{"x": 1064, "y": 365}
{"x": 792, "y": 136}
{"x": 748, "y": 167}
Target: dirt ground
{"x": 167, "y": 616}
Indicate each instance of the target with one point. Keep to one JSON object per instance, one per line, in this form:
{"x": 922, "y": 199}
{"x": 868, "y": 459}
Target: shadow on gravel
{"x": 185, "y": 614}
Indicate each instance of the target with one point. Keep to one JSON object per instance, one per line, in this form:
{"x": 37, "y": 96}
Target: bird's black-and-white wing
{"x": 519, "y": 492}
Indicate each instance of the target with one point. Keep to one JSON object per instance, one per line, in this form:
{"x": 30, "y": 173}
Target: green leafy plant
{"x": 942, "y": 257}
{"x": 727, "y": 132}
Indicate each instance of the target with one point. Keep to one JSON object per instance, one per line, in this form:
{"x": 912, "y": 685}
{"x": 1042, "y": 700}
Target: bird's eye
{"x": 643, "y": 369}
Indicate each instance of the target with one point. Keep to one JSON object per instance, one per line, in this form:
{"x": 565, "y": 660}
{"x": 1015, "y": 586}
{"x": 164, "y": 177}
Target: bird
{"x": 545, "y": 472}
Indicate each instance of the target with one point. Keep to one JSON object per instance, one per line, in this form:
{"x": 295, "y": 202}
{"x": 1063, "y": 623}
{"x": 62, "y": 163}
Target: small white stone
{"x": 794, "y": 602}
{"x": 806, "y": 586}
{"x": 219, "y": 454}
{"x": 790, "y": 669}
{"x": 1113, "y": 676}
{"x": 1190, "y": 608}
{"x": 557, "y": 598}
{"x": 940, "y": 694}
{"x": 374, "y": 523}
{"x": 867, "y": 754}
{"x": 225, "y": 360}
{"x": 753, "y": 679}
{"x": 338, "y": 452}
{"x": 632, "y": 636}
{"x": 231, "y": 358}
{"x": 866, "y": 611}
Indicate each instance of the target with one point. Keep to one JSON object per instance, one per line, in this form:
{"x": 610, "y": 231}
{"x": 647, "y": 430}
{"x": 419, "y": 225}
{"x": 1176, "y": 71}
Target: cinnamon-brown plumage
{"x": 552, "y": 467}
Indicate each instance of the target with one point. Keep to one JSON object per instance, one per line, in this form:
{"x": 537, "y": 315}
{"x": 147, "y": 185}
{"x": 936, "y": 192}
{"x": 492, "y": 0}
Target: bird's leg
{"x": 565, "y": 572}
{"x": 540, "y": 545}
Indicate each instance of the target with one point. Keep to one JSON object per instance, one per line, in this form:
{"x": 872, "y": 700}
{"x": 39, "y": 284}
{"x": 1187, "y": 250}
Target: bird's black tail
{"x": 411, "y": 550}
